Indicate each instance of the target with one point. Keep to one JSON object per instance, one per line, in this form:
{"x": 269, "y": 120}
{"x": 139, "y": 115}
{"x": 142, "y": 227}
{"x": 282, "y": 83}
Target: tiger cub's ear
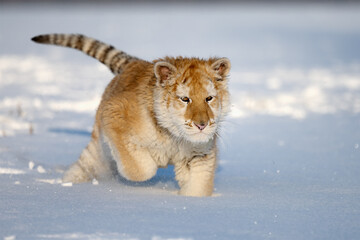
{"x": 165, "y": 73}
{"x": 221, "y": 67}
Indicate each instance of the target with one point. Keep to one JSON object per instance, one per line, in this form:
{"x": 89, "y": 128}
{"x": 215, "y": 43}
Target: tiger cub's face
{"x": 191, "y": 97}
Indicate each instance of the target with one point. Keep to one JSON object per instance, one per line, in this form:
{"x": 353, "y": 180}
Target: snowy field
{"x": 289, "y": 161}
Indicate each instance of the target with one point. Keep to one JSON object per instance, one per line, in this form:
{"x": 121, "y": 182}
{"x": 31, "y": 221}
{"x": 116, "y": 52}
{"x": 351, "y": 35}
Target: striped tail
{"x": 114, "y": 59}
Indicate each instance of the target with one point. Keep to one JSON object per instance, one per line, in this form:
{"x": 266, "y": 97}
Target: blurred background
{"x": 289, "y": 58}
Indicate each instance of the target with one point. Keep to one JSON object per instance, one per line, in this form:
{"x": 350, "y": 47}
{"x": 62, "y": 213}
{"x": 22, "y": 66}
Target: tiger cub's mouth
{"x": 200, "y": 132}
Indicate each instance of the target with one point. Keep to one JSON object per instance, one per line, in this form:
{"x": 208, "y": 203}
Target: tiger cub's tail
{"x": 114, "y": 59}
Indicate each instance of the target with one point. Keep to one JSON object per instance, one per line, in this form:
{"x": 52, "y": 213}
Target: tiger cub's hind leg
{"x": 90, "y": 165}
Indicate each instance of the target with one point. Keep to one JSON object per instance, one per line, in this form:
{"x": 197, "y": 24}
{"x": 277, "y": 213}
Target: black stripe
{"x": 91, "y": 47}
{"x": 67, "y": 41}
{"x": 113, "y": 62}
{"x": 95, "y": 49}
{"x": 79, "y": 44}
{"x": 124, "y": 64}
{"x": 105, "y": 53}
{"x": 41, "y": 39}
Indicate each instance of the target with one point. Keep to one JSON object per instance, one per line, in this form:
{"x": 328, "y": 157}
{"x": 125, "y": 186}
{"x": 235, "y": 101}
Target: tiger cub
{"x": 153, "y": 114}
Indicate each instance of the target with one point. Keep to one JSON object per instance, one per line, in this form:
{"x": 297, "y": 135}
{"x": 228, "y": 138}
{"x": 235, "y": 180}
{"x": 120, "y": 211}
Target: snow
{"x": 11, "y": 171}
{"x": 289, "y": 156}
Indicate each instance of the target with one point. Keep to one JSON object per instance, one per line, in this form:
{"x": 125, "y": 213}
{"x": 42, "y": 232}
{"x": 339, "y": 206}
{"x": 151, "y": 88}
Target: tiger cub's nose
{"x": 201, "y": 126}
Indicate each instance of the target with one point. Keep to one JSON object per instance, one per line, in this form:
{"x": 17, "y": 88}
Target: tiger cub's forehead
{"x": 195, "y": 86}
{"x": 196, "y": 79}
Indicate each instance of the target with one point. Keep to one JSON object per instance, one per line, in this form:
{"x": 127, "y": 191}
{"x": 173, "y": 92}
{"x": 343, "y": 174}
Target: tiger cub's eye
{"x": 209, "y": 98}
{"x": 185, "y": 99}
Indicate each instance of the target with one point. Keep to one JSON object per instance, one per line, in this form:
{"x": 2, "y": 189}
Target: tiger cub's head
{"x": 191, "y": 96}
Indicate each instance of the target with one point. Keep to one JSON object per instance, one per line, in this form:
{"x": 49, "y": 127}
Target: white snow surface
{"x": 289, "y": 160}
